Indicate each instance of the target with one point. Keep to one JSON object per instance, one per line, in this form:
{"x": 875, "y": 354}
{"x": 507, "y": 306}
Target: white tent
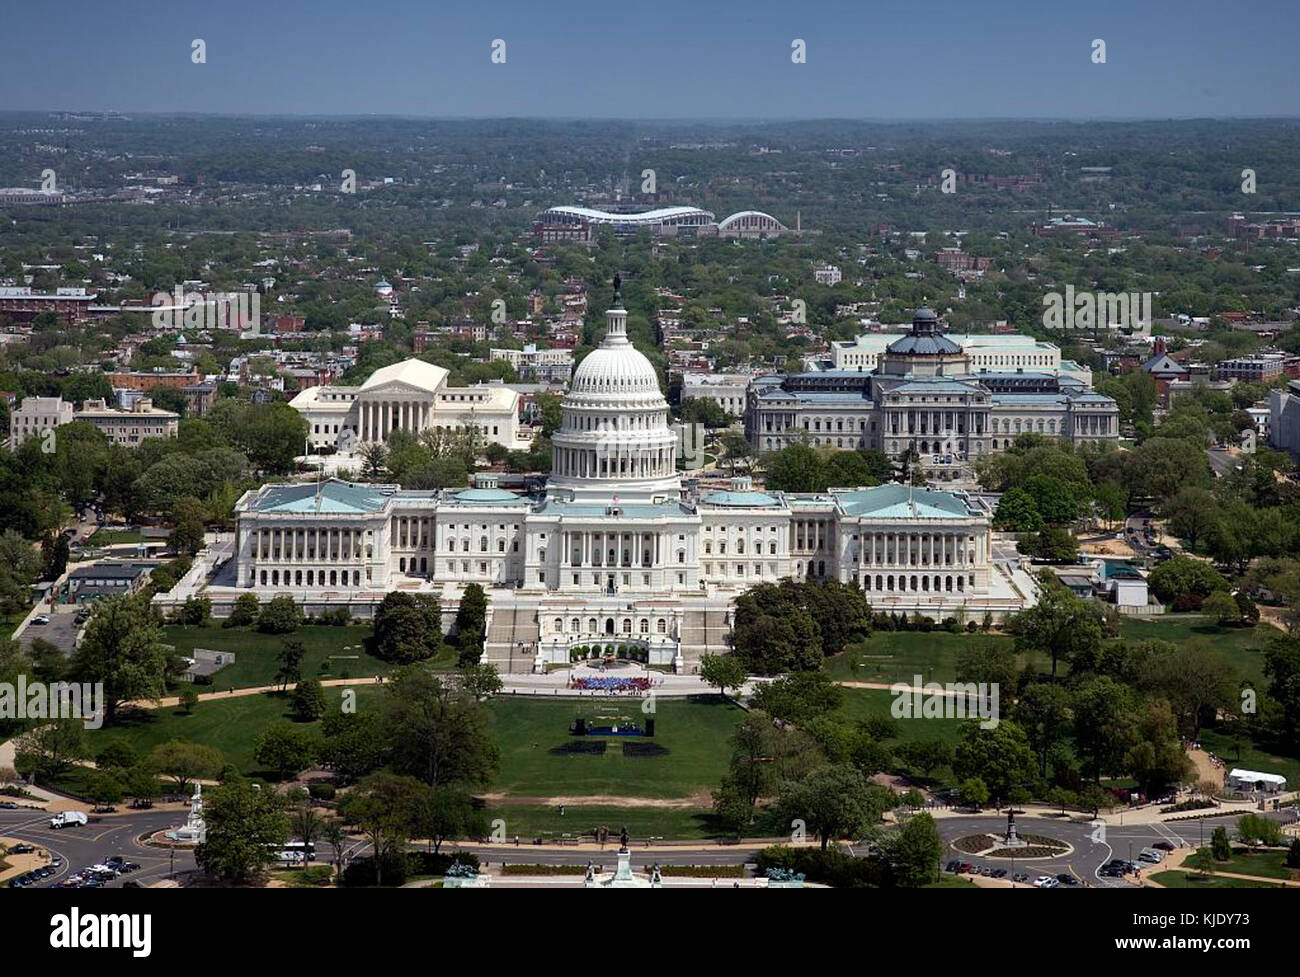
{"x": 1252, "y": 779}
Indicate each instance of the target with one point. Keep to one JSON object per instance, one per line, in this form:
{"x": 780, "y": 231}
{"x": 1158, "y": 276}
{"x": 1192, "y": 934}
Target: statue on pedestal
{"x": 622, "y": 839}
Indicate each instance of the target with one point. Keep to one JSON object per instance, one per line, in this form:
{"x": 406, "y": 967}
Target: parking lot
{"x": 61, "y": 631}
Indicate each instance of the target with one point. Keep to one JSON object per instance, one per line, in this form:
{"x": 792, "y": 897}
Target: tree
{"x": 50, "y": 749}
{"x": 1055, "y": 545}
{"x": 1222, "y": 606}
{"x": 999, "y": 756}
{"x": 245, "y": 612}
{"x": 123, "y": 648}
{"x": 1293, "y": 854}
{"x": 438, "y": 733}
{"x": 1282, "y": 669}
{"x": 188, "y": 514}
{"x": 1255, "y": 829}
{"x": 1059, "y": 624}
{"x": 285, "y": 749}
{"x": 188, "y": 700}
{"x": 480, "y": 681}
{"x": 308, "y": 702}
{"x": 1192, "y": 514}
{"x": 289, "y": 661}
{"x": 20, "y": 565}
{"x": 924, "y": 755}
{"x": 336, "y": 837}
{"x": 1043, "y": 711}
{"x": 104, "y": 788}
{"x": 281, "y": 615}
{"x": 975, "y": 792}
{"x": 386, "y": 808}
{"x": 447, "y": 812}
{"x": 184, "y": 762}
{"x": 722, "y": 672}
{"x": 354, "y": 744}
{"x": 833, "y": 802}
{"x": 1017, "y": 512}
{"x": 797, "y": 468}
{"x": 1184, "y": 575}
{"x": 471, "y": 623}
{"x": 306, "y": 823}
{"x": 799, "y": 696}
{"x": 914, "y": 851}
{"x": 196, "y": 612}
{"x": 246, "y": 827}
{"x": 402, "y": 630}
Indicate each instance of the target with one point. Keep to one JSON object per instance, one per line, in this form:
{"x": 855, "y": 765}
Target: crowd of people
{"x": 639, "y": 683}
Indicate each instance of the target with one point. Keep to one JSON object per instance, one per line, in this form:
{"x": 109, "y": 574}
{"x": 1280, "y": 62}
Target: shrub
{"x": 322, "y": 790}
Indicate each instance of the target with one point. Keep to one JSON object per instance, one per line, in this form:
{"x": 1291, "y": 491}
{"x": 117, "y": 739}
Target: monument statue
{"x": 622, "y": 839}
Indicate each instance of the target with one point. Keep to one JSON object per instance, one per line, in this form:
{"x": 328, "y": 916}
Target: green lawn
{"x": 343, "y": 649}
{"x": 532, "y": 734}
{"x": 1269, "y": 864}
{"x": 1190, "y": 880}
{"x": 530, "y": 821}
{"x": 899, "y": 656}
{"x": 1242, "y": 648}
{"x": 231, "y": 726}
{"x": 861, "y": 703}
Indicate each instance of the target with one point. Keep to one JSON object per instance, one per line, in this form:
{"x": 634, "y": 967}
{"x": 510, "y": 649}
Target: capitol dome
{"x": 614, "y": 442}
{"x": 615, "y": 369}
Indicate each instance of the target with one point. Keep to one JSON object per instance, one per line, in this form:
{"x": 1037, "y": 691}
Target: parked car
{"x": 1066, "y": 878}
{"x": 1044, "y": 882}
{"x": 41, "y": 619}
{"x": 1164, "y": 845}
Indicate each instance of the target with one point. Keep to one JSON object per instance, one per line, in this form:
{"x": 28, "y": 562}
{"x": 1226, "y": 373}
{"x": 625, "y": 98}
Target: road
{"x": 1221, "y": 461}
{"x": 117, "y": 834}
{"x": 1118, "y": 841}
{"x": 81, "y": 847}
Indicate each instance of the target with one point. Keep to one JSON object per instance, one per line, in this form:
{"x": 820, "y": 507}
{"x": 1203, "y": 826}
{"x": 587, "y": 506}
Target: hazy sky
{"x": 664, "y": 59}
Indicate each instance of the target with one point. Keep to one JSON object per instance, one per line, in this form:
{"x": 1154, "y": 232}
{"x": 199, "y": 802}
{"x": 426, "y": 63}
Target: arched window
{"x": 576, "y": 625}
{"x": 559, "y": 624}
{"x": 661, "y": 626}
{"x": 644, "y": 626}
{"x": 482, "y": 544}
{"x": 627, "y": 625}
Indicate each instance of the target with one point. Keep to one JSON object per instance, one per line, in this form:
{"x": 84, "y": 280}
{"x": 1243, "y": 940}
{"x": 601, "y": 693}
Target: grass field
{"x": 1267, "y": 864}
{"x": 532, "y": 733}
{"x": 1240, "y": 647}
{"x": 343, "y": 649}
{"x": 1191, "y": 880}
{"x": 231, "y": 726}
{"x": 899, "y": 656}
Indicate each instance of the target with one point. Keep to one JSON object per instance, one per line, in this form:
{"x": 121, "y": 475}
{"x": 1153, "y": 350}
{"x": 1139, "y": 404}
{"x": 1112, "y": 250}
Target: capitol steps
{"x": 507, "y": 628}
{"x": 704, "y": 630}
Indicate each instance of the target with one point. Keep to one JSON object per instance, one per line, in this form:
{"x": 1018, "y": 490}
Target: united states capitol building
{"x": 615, "y": 550}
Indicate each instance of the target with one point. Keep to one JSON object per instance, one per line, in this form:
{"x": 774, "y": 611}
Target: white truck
{"x": 66, "y": 819}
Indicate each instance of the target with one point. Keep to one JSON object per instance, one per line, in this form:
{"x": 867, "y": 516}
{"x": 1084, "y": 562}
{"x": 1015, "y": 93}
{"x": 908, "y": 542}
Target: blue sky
{"x": 659, "y": 58}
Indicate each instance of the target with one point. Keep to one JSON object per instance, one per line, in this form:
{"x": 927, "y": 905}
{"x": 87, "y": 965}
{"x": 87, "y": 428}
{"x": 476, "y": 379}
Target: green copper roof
{"x": 486, "y": 495}
{"x": 739, "y": 499}
{"x": 332, "y": 496}
{"x": 902, "y": 502}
